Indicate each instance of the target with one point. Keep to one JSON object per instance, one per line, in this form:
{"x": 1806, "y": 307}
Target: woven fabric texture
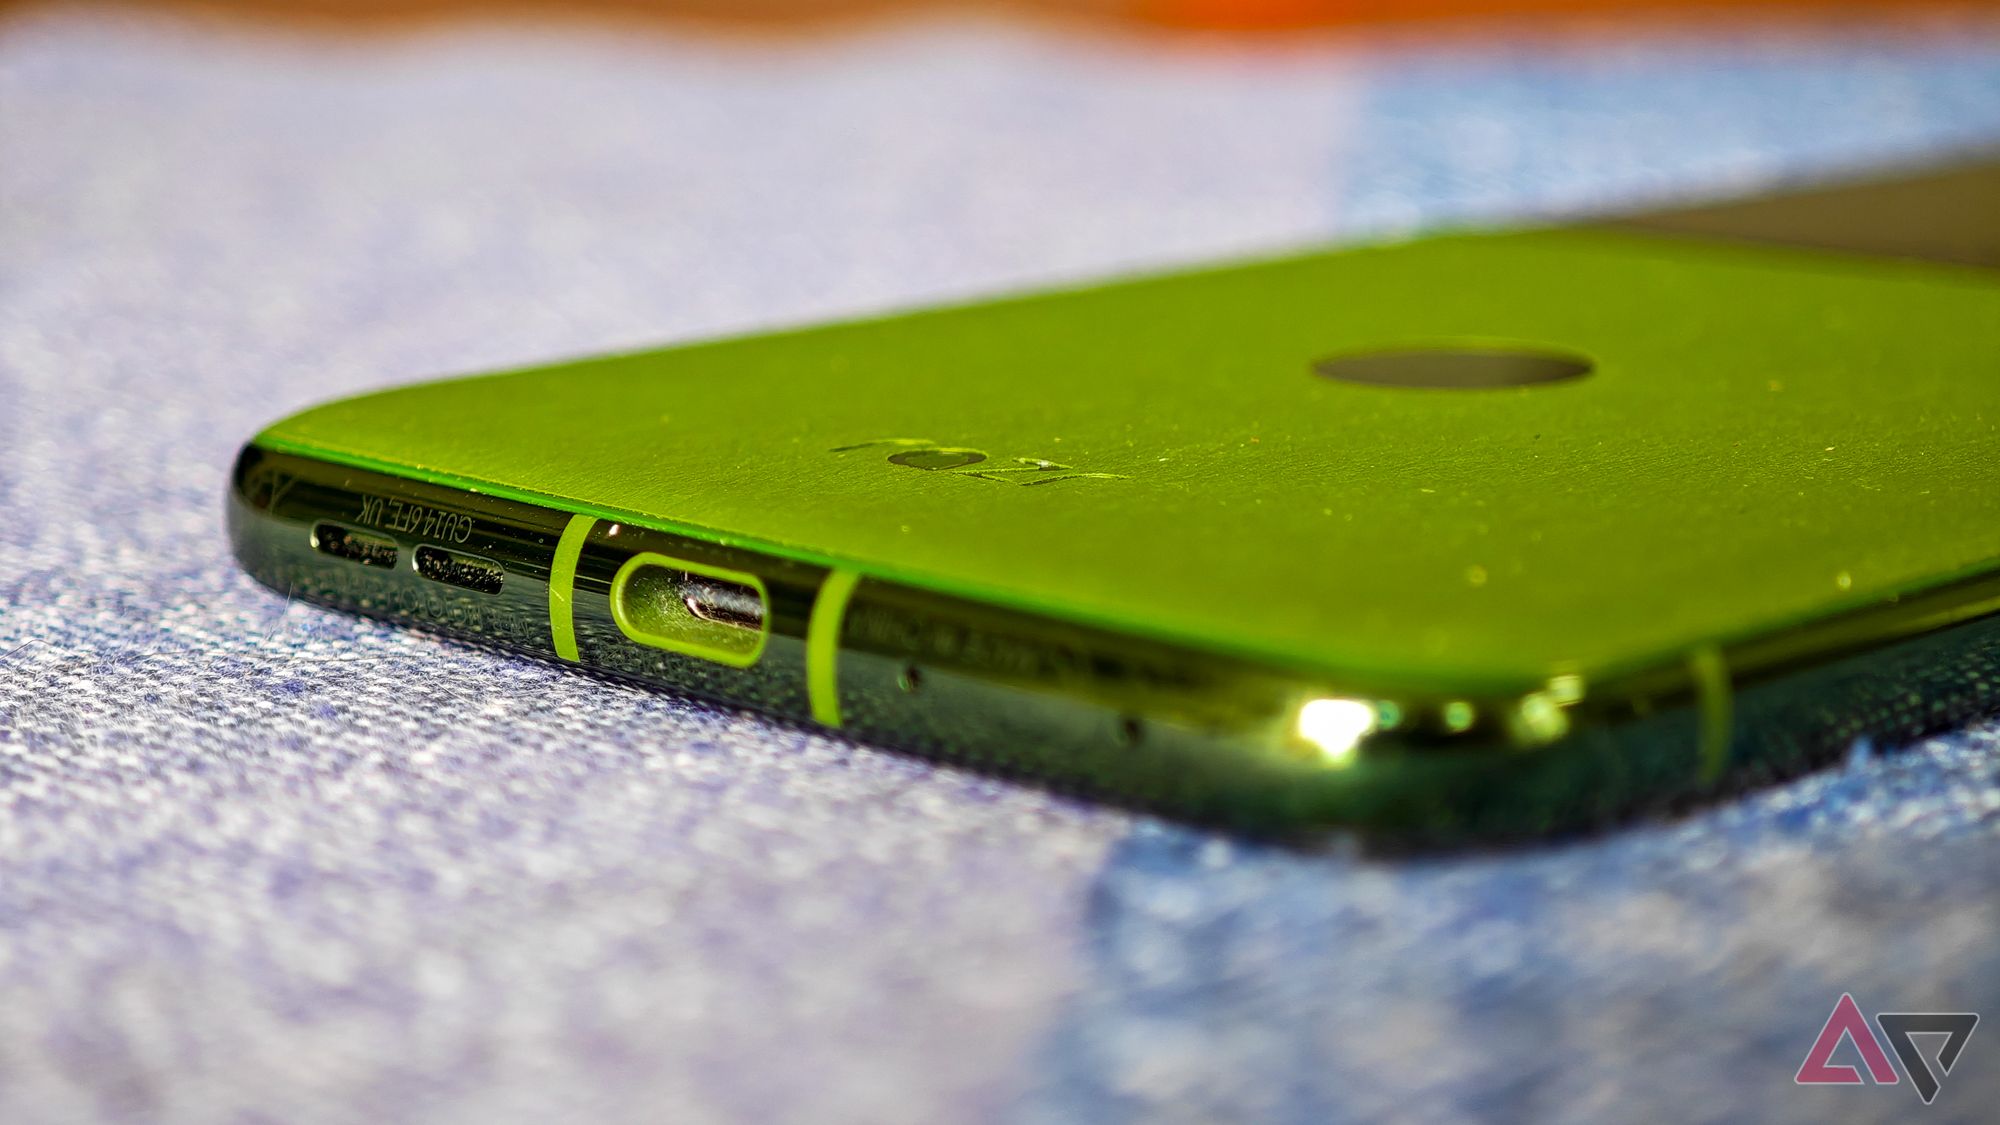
{"x": 265, "y": 862}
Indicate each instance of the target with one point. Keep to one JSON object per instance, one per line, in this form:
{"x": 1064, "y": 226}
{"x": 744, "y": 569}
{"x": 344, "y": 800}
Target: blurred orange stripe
{"x": 1278, "y": 14}
{"x": 1216, "y": 15}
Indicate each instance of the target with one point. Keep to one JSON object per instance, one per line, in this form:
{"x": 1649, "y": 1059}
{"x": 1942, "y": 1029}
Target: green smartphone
{"x": 1470, "y": 535}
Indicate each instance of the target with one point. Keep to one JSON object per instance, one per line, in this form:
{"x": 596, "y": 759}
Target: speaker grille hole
{"x": 354, "y": 546}
{"x": 454, "y": 569}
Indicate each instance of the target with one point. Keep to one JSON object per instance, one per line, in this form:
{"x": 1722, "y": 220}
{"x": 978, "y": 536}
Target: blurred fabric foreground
{"x": 262, "y": 862}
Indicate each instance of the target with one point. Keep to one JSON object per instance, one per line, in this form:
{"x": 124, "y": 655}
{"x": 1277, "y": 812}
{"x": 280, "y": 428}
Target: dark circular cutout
{"x": 1455, "y": 368}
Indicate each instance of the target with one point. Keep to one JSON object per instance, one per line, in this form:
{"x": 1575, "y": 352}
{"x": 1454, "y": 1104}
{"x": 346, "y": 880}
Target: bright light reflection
{"x": 1336, "y": 726}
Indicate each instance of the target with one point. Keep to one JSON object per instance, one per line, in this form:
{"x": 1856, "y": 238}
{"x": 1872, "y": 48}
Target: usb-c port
{"x": 692, "y": 608}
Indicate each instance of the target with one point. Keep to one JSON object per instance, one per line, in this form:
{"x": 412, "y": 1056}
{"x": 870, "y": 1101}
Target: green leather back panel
{"x": 1769, "y": 436}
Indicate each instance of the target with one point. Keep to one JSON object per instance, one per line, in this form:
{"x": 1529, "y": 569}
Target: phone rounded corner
{"x": 249, "y": 497}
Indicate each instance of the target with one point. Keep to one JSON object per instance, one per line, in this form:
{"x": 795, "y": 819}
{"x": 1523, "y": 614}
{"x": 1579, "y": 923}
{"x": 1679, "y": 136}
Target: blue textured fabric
{"x": 263, "y": 862}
